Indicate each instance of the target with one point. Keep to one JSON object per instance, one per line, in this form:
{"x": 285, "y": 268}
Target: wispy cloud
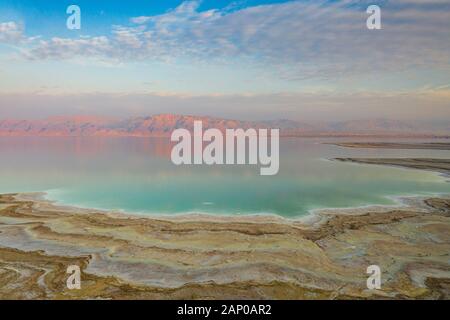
{"x": 294, "y": 40}
{"x": 11, "y": 32}
{"x": 63, "y": 48}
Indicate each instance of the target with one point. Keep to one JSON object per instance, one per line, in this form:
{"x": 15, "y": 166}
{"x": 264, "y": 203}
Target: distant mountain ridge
{"x": 164, "y": 124}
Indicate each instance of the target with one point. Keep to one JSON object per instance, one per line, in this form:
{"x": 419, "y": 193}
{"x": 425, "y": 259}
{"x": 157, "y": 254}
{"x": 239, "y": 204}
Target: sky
{"x": 256, "y": 59}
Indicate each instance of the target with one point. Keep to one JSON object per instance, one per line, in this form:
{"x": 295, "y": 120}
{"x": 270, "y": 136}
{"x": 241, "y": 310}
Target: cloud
{"x": 186, "y": 12}
{"x": 140, "y": 20}
{"x": 294, "y": 40}
{"x": 129, "y": 37}
{"x": 11, "y": 32}
{"x": 63, "y": 48}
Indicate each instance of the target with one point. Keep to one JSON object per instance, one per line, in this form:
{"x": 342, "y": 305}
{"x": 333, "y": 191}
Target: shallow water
{"x": 136, "y": 175}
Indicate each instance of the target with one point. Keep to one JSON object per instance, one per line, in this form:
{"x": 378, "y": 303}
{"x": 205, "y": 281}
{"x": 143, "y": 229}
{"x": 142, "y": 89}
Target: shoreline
{"x": 394, "y": 145}
{"x": 313, "y": 217}
{"x": 439, "y": 166}
{"x": 40, "y": 198}
{"x": 400, "y": 202}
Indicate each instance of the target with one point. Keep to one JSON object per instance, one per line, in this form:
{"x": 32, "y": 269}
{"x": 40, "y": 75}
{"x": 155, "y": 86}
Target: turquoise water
{"x": 136, "y": 175}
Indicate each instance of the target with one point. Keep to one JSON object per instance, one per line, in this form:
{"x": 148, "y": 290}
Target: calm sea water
{"x": 136, "y": 175}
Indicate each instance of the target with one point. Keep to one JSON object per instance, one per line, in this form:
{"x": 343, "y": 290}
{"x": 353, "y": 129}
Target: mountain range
{"x": 163, "y": 124}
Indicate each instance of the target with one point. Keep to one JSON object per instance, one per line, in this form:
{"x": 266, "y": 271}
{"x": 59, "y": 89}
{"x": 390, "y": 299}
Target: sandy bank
{"x": 133, "y": 257}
